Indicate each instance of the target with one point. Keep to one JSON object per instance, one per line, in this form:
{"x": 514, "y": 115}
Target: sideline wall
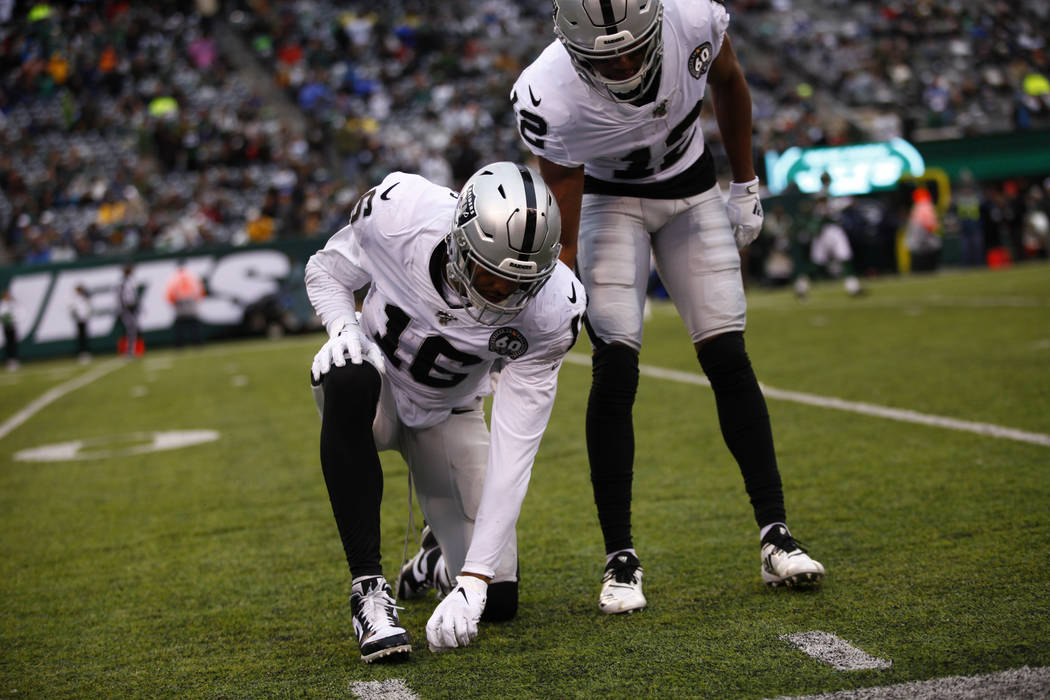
{"x": 233, "y": 278}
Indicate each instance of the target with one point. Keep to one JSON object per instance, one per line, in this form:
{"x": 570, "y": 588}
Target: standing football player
{"x": 611, "y": 109}
{"x": 457, "y": 284}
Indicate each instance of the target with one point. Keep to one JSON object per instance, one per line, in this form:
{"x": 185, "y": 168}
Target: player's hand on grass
{"x": 455, "y": 620}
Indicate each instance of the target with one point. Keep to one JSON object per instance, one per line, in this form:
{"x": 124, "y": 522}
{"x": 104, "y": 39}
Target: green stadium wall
{"x": 234, "y": 278}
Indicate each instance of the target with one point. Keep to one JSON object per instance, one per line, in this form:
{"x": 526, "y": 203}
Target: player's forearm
{"x": 520, "y": 411}
{"x": 732, "y": 102}
{"x": 506, "y": 483}
{"x": 567, "y": 186}
{"x": 330, "y": 298}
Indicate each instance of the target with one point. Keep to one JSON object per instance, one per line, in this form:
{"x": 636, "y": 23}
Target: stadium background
{"x": 910, "y": 423}
{"x": 134, "y": 131}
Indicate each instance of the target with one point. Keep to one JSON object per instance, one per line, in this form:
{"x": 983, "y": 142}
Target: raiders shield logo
{"x": 509, "y": 342}
{"x": 466, "y": 207}
{"x": 700, "y": 60}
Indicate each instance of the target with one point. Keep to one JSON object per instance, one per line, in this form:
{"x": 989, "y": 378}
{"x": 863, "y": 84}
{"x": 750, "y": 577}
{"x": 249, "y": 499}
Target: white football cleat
{"x": 379, "y": 633}
{"x": 622, "y": 585}
{"x": 419, "y": 573}
{"x": 786, "y": 563}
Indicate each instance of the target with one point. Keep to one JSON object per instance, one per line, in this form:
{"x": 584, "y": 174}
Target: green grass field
{"x": 215, "y": 570}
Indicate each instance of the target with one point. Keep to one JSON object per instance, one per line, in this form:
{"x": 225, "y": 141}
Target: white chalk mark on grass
{"x": 55, "y": 393}
{"x": 393, "y": 689}
{"x": 117, "y": 445}
{"x": 868, "y": 409}
{"x": 837, "y": 653}
{"x": 239, "y": 380}
{"x": 1022, "y": 682}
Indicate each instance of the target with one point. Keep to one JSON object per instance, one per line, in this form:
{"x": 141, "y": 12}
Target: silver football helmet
{"x": 505, "y": 233}
{"x": 597, "y": 32}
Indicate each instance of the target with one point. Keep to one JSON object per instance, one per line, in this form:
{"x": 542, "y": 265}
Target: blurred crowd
{"x": 124, "y": 128}
{"x": 137, "y": 127}
{"x": 912, "y": 68}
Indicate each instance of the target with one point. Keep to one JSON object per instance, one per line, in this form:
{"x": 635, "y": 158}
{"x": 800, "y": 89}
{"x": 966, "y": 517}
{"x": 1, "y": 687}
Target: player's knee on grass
{"x": 502, "y": 602}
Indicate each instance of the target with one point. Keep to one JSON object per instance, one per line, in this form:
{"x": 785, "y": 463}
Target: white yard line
{"x": 393, "y": 689}
{"x": 1019, "y": 683}
{"x": 56, "y": 393}
{"x": 836, "y": 652}
{"x": 988, "y": 429}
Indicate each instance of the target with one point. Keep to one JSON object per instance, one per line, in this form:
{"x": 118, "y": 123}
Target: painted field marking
{"x": 898, "y": 414}
{"x": 155, "y": 364}
{"x": 393, "y": 689}
{"x": 117, "y": 445}
{"x": 836, "y": 652}
{"x": 55, "y": 393}
{"x": 1022, "y": 682}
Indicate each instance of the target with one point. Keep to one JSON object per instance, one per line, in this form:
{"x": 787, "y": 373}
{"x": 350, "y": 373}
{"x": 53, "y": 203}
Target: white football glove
{"x": 347, "y": 340}
{"x": 745, "y": 211}
{"x": 455, "y": 619}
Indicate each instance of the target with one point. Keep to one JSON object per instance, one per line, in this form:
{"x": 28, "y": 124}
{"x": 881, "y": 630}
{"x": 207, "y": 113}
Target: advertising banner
{"x": 246, "y": 290}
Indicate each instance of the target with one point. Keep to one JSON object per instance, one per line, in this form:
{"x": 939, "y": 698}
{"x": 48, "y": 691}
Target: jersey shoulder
{"x": 557, "y": 310}
{"x": 691, "y": 22}
{"x": 403, "y": 205}
{"x": 546, "y": 97}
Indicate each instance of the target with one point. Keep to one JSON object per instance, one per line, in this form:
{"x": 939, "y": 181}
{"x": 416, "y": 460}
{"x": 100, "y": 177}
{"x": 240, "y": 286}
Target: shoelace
{"x": 377, "y": 602}
{"x": 786, "y": 543}
{"x": 624, "y": 573}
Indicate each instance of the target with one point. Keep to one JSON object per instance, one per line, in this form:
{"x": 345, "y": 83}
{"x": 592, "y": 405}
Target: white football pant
{"x": 695, "y": 253}
{"x": 448, "y": 463}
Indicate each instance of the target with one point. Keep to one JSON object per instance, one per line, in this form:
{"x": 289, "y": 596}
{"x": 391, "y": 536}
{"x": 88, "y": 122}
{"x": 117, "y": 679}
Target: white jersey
{"x": 438, "y": 358}
{"x": 80, "y": 308}
{"x": 569, "y": 123}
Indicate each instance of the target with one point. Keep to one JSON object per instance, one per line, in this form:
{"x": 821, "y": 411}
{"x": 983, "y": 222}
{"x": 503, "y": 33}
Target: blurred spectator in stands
{"x": 966, "y": 207}
{"x": 7, "y": 320}
{"x": 260, "y": 226}
{"x": 38, "y": 247}
{"x": 184, "y": 291}
{"x": 80, "y": 310}
{"x": 923, "y": 233}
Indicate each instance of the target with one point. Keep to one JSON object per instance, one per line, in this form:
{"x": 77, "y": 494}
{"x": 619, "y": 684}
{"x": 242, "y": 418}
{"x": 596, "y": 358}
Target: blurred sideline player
{"x": 611, "y": 109}
{"x": 457, "y": 284}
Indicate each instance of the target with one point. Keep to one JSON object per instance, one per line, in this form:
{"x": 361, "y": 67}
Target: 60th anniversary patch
{"x": 509, "y": 342}
{"x": 700, "y": 60}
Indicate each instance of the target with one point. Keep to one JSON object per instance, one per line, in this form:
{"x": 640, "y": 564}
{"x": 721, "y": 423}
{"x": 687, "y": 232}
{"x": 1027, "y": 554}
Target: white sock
{"x": 609, "y": 557}
{"x": 359, "y": 579}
